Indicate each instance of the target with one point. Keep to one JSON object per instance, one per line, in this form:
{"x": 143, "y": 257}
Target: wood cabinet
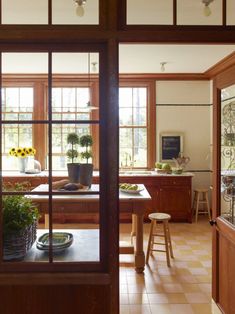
{"x": 170, "y": 194}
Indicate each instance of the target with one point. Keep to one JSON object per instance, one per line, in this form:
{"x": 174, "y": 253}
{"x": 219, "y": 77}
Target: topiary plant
{"x": 86, "y": 141}
{"x": 72, "y": 139}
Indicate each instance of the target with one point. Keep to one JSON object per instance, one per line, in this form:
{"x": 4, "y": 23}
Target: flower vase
{"x": 22, "y": 164}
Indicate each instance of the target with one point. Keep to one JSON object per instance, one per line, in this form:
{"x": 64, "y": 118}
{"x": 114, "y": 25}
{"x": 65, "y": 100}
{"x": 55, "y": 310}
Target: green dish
{"x": 60, "y": 241}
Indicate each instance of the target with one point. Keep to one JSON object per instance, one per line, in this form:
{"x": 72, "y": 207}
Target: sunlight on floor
{"x": 184, "y": 288}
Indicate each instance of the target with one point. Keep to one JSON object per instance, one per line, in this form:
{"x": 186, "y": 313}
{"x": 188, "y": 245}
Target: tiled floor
{"x": 184, "y": 288}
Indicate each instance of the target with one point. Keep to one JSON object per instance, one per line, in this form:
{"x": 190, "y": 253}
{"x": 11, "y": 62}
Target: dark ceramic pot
{"x": 85, "y": 174}
{"x": 73, "y": 172}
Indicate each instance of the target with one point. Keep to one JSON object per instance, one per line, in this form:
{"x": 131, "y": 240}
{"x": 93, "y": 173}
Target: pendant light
{"x": 89, "y": 105}
{"x": 207, "y": 9}
{"x": 80, "y": 7}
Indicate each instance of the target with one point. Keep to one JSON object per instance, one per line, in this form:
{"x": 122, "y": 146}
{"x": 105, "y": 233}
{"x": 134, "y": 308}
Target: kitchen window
{"x": 69, "y": 99}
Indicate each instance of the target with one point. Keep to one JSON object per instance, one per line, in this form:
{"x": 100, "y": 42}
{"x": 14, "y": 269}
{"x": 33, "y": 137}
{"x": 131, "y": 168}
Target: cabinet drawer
{"x": 175, "y": 181}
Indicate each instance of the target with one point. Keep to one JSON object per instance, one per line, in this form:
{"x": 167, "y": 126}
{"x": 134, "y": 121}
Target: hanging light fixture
{"x": 89, "y": 105}
{"x": 207, "y": 9}
{"x": 94, "y": 66}
{"x": 80, "y": 7}
{"x": 163, "y": 66}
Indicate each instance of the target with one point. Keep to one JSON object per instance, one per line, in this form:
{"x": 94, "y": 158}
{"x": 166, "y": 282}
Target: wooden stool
{"x": 203, "y": 200}
{"x": 164, "y": 218}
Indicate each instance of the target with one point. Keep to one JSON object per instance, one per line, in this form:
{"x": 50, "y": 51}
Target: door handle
{"x": 212, "y": 222}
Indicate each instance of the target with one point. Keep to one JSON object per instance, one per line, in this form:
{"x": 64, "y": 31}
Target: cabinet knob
{"x": 212, "y": 222}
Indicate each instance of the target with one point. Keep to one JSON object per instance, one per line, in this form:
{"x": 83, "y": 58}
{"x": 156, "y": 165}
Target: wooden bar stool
{"x": 160, "y": 218}
{"x": 201, "y": 198}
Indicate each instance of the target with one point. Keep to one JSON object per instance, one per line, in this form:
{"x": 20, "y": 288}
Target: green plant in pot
{"x": 20, "y": 217}
{"x": 86, "y": 169}
{"x": 72, "y": 154}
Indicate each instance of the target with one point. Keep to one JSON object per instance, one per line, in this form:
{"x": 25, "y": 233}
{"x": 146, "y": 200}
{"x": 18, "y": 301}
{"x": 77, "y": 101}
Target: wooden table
{"x": 89, "y": 203}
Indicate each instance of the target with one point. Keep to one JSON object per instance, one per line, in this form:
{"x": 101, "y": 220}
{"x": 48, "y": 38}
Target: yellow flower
{"x": 22, "y": 152}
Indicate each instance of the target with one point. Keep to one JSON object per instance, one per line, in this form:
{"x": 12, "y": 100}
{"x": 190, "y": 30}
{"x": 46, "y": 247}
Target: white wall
{"x": 184, "y": 106}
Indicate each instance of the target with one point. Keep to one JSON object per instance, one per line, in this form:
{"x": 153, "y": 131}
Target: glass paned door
{"x": 228, "y": 152}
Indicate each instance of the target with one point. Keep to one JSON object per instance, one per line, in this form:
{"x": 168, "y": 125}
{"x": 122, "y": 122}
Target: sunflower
{"x": 22, "y": 152}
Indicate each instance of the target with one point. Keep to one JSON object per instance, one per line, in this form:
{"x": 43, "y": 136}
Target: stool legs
{"x": 197, "y": 204}
{"x": 197, "y": 201}
{"x": 208, "y": 205}
{"x": 166, "y": 244}
{"x": 150, "y": 241}
{"x": 167, "y": 241}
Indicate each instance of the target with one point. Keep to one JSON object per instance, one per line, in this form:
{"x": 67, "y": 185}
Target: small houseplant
{"x": 72, "y": 154}
{"x": 20, "y": 217}
{"x": 86, "y": 169}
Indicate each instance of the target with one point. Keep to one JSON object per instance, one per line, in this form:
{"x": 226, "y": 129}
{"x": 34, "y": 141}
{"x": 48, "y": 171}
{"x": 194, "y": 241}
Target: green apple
{"x": 166, "y": 167}
{"x": 158, "y": 165}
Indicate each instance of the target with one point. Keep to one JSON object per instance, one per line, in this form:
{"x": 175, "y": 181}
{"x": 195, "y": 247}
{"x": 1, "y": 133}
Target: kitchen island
{"x": 170, "y": 193}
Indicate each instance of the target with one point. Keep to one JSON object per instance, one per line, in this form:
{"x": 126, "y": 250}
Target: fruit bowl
{"x": 163, "y": 170}
{"x": 177, "y": 170}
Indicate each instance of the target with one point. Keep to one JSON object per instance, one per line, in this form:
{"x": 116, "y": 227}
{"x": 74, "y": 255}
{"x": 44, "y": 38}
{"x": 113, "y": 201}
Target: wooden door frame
{"x": 222, "y": 80}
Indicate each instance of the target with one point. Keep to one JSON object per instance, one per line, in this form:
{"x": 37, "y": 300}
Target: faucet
{"x": 129, "y": 163}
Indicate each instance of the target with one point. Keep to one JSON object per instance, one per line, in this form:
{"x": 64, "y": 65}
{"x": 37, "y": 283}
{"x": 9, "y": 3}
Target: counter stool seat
{"x": 159, "y": 218}
{"x": 201, "y": 198}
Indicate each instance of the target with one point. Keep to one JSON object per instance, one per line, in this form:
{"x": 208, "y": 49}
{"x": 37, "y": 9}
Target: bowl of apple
{"x": 163, "y": 168}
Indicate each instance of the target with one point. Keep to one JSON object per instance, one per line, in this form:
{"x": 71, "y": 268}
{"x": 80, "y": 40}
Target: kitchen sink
{"x": 135, "y": 172}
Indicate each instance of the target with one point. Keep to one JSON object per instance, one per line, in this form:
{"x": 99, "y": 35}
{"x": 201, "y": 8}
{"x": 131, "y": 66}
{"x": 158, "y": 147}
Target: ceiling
{"x": 178, "y": 58}
{"x": 134, "y": 58}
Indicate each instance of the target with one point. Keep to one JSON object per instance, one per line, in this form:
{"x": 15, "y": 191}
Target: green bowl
{"x": 177, "y": 171}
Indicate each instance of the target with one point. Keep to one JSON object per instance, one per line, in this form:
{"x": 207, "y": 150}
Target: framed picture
{"x": 171, "y": 144}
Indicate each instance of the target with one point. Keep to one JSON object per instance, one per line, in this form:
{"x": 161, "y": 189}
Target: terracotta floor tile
{"x": 124, "y": 299}
{"x": 188, "y": 287}
{"x": 181, "y": 309}
{"x": 176, "y": 298}
{"x": 183, "y": 288}
{"x": 199, "y": 271}
{"x": 157, "y": 298}
{"x": 124, "y": 309}
{"x": 202, "y": 308}
{"x": 160, "y": 309}
{"x": 138, "y": 298}
{"x": 172, "y": 287}
{"x": 140, "y": 309}
{"x": 138, "y": 288}
{"x": 197, "y": 297}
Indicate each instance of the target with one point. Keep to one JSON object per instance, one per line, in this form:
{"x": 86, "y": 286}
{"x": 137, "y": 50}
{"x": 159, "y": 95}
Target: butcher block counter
{"x": 170, "y": 193}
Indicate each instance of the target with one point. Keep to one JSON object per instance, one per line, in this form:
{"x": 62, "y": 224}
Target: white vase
{"x": 22, "y": 164}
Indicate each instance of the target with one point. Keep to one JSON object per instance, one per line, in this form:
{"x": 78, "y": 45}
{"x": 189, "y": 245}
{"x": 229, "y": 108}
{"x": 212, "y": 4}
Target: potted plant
{"x": 72, "y": 154}
{"x": 20, "y": 217}
{"x": 86, "y": 169}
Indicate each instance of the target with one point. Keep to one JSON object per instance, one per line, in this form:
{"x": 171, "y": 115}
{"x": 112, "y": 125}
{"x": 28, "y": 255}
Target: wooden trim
{"x": 221, "y": 66}
{"x": 222, "y": 80}
{"x": 39, "y": 130}
{"x": 152, "y": 125}
{"x": 165, "y": 77}
{"x": 72, "y": 278}
{"x": 224, "y": 13}
{"x": 83, "y": 78}
{"x": 174, "y": 12}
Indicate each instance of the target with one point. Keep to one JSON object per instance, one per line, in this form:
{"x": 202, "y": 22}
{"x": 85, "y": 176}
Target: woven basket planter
{"x": 16, "y": 245}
